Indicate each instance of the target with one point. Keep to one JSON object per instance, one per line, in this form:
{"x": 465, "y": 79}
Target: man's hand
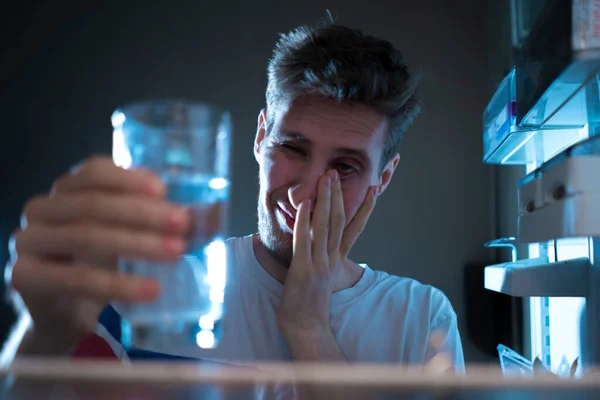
{"x": 303, "y": 313}
{"x": 65, "y": 256}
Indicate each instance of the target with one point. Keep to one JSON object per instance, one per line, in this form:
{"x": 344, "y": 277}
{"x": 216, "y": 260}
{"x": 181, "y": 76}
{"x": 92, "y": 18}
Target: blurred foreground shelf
{"x": 34, "y": 378}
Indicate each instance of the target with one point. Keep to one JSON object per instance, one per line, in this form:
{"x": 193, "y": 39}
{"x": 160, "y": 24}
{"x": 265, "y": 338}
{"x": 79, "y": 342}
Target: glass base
{"x": 151, "y": 337}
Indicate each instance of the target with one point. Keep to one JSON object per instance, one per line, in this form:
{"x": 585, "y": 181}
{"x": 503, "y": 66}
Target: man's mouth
{"x": 287, "y": 215}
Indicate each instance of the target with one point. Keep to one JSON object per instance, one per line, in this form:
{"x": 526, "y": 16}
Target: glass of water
{"x": 188, "y": 145}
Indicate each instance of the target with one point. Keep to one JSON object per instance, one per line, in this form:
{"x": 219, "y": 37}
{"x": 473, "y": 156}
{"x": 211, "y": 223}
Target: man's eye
{"x": 344, "y": 168}
{"x": 289, "y": 147}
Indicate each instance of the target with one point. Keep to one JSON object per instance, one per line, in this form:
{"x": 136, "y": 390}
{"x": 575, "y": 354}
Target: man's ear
{"x": 388, "y": 171}
{"x": 260, "y": 132}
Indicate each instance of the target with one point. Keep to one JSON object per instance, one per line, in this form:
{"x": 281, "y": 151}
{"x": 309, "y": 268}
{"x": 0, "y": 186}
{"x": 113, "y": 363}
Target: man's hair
{"x": 346, "y": 65}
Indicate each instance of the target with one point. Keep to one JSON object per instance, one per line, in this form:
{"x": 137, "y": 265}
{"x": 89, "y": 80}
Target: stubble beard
{"x": 279, "y": 244}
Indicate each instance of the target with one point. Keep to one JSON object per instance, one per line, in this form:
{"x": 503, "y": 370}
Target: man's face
{"x": 309, "y": 137}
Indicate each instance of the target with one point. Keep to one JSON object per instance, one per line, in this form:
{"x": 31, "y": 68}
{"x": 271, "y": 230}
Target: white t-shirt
{"x": 383, "y": 318}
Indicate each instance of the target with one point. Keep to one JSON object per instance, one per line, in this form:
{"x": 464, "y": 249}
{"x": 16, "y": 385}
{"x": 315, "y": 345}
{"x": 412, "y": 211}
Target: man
{"x": 338, "y": 103}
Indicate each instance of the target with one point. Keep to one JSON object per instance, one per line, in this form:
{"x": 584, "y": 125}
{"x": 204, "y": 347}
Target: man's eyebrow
{"x": 345, "y": 151}
{"x": 294, "y": 136}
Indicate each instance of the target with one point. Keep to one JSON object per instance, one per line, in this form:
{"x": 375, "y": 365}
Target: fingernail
{"x": 174, "y": 246}
{"x": 327, "y": 182}
{"x": 156, "y": 187}
{"x": 335, "y": 175}
{"x": 175, "y": 219}
{"x": 376, "y": 191}
{"x": 149, "y": 289}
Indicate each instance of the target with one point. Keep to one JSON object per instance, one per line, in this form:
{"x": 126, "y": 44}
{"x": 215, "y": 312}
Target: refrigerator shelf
{"x": 550, "y": 100}
{"x": 572, "y": 117}
{"x": 538, "y": 278}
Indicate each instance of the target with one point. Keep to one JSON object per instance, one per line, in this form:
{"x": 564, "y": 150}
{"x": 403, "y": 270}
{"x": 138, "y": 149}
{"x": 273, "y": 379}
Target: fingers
{"x": 337, "y": 216}
{"x": 100, "y": 173}
{"x": 302, "y": 242}
{"x": 135, "y": 212}
{"x": 321, "y": 215}
{"x": 358, "y": 223}
{"x": 54, "y": 278}
{"x": 89, "y": 240}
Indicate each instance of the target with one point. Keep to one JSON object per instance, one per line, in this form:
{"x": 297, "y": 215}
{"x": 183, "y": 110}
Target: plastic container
{"x": 513, "y": 364}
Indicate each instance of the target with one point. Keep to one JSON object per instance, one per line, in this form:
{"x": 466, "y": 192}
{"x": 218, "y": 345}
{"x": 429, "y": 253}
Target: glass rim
{"x": 127, "y": 108}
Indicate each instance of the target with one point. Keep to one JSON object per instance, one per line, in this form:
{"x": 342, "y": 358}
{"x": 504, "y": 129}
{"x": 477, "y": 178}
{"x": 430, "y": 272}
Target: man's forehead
{"x": 316, "y": 117}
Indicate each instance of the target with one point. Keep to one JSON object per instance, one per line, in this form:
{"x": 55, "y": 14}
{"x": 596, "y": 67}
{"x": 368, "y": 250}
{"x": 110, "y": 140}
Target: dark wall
{"x": 65, "y": 69}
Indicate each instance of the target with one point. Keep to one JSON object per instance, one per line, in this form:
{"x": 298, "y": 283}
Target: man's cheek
{"x": 353, "y": 198}
{"x": 278, "y": 173}
{"x": 268, "y": 174}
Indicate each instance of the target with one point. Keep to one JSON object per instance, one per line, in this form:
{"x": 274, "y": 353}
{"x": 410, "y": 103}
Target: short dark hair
{"x": 344, "y": 64}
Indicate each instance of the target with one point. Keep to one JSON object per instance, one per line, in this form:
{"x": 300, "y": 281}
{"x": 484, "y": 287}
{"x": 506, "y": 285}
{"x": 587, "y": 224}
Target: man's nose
{"x": 305, "y": 188}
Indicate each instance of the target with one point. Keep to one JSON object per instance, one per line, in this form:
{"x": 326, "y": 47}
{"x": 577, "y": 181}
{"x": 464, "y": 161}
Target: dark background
{"x": 65, "y": 67}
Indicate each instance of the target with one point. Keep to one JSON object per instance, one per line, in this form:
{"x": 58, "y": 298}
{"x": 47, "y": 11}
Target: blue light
{"x": 218, "y": 183}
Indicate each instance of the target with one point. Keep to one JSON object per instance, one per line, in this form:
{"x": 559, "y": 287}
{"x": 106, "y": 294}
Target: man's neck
{"x": 349, "y": 275}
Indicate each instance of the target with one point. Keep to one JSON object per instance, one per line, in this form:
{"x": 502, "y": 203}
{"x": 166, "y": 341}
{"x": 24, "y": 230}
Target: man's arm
{"x": 445, "y": 347}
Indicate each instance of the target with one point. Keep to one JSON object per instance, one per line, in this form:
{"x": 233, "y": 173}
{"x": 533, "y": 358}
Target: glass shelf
{"x": 564, "y": 123}
{"x": 550, "y": 99}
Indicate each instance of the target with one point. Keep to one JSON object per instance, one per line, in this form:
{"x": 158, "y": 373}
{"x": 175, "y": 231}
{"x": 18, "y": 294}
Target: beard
{"x": 279, "y": 244}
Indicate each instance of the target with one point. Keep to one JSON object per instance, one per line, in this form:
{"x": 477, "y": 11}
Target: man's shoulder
{"x": 414, "y": 295}
{"x": 239, "y": 243}
{"x": 239, "y": 251}
{"x": 238, "y": 239}
{"x": 410, "y": 287}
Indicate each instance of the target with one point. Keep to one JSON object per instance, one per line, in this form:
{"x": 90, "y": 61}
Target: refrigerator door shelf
{"x": 567, "y": 177}
{"x": 538, "y": 278}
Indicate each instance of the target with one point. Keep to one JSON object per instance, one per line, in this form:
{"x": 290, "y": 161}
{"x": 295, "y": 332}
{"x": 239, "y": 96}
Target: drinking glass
{"x": 187, "y": 144}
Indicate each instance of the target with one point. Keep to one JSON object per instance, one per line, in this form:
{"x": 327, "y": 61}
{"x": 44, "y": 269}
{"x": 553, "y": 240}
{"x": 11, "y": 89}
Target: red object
{"x": 93, "y": 346}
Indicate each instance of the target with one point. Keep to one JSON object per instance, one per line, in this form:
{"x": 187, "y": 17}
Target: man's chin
{"x": 275, "y": 238}
{"x": 280, "y": 247}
